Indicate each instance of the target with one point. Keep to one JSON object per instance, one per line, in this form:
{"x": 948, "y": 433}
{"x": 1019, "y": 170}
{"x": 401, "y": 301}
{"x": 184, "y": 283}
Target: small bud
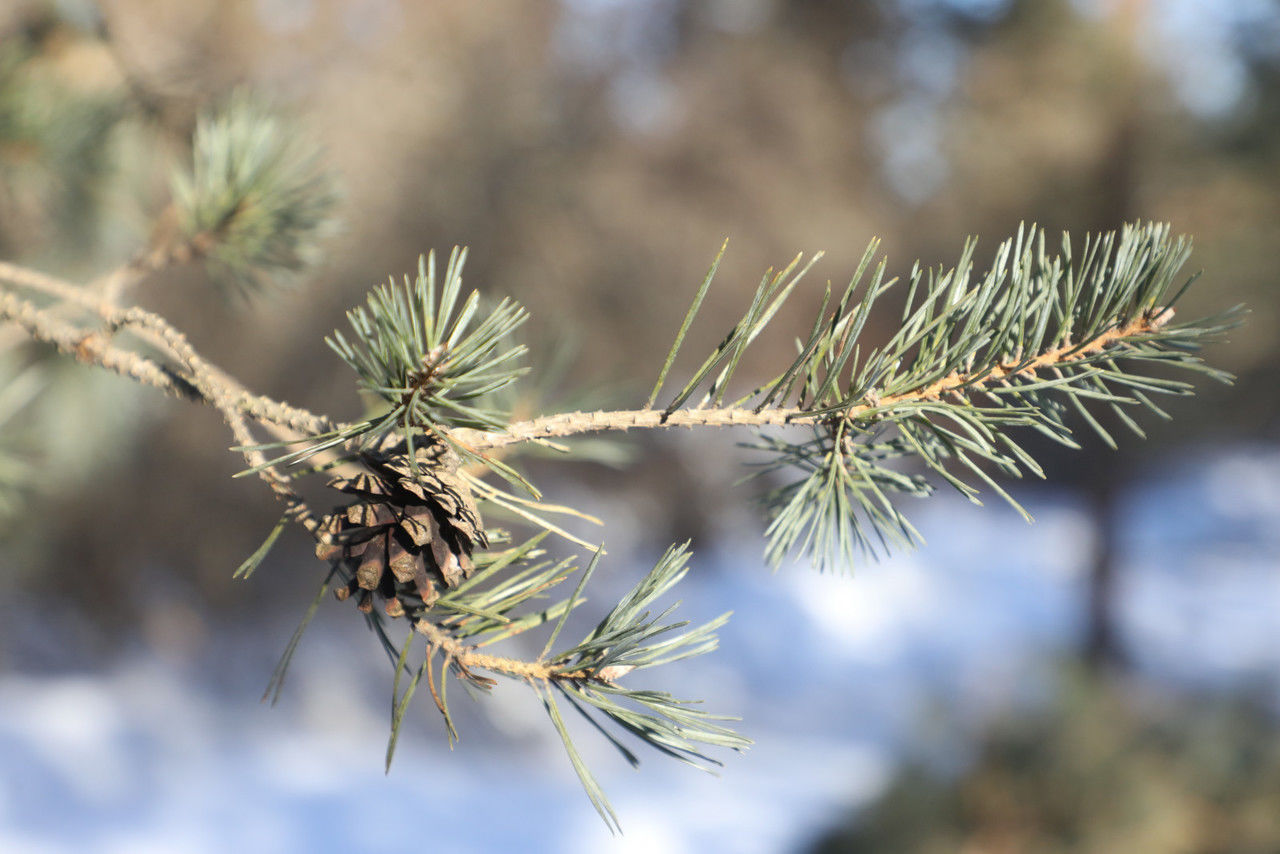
{"x": 1160, "y": 317}
{"x": 614, "y": 672}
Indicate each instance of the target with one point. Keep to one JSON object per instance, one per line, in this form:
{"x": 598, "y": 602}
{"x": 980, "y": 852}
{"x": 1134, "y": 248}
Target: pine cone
{"x": 407, "y": 534}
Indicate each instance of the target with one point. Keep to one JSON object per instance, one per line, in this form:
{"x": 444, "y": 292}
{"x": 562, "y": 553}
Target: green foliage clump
{"x": 254, "y": 198}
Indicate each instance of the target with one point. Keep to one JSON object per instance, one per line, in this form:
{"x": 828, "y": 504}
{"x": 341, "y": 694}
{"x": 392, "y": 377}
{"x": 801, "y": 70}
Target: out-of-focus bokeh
{"x": 1106, "y": 680}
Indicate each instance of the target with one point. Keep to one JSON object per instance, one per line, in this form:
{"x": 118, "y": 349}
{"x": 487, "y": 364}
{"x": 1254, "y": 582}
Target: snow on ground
{"x": 835, "y": 677}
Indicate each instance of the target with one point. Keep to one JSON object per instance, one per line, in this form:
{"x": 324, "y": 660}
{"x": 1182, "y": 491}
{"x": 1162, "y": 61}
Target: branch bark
{"x": 568, "y": 424}
{"x": 516, "y": 668}
{"x": 198, "y": 380}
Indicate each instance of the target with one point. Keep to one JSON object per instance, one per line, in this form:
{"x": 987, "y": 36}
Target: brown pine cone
{"x": 408, "y": 533}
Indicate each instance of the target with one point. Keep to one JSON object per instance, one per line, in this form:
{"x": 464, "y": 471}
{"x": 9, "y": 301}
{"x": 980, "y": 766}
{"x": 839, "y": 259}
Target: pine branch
{"x": 971, "y": 360}
{"x": 1115, "y": 339}
{"x": 1032, "y": 340}
{"x": 570, "y": 424}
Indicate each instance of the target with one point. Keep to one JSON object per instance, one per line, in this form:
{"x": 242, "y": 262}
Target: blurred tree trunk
{"x": 1116, "y": 192}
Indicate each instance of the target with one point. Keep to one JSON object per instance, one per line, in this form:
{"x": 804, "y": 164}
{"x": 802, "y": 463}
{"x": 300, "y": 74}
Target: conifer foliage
{"x": 1037, "y": 342}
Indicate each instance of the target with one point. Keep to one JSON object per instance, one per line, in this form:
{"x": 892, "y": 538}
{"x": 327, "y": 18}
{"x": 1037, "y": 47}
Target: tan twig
{"x": 92, "y": 347}
{"x": 199, "y": 380}
{"x": 468, "y": 657}
{"x": 158, "y": 332}
{"x": 166, "y": 252}
{"x": 44, "y": 283}
{"x": 214, "y": 381}
{"x": 568, "y": 424}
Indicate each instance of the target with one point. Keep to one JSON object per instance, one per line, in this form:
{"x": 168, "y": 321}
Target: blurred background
{"x": 1107, "y": 679}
